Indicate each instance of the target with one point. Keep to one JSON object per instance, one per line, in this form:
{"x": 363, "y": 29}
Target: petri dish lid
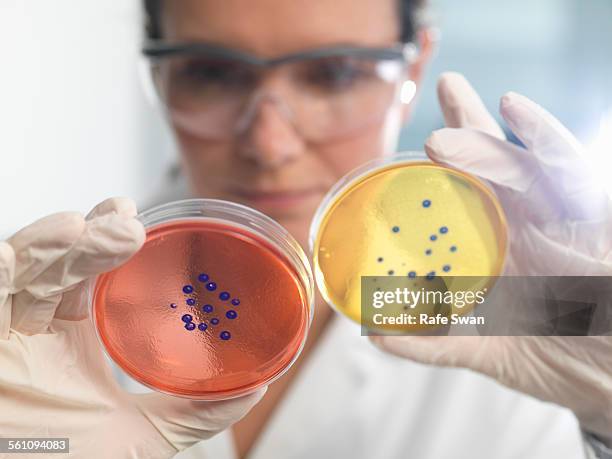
{"x": 404, "y": 215}
{"x": 216, "y": 304}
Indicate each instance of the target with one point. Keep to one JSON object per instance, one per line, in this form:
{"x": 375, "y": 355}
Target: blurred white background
{"x": 76, "y": 128}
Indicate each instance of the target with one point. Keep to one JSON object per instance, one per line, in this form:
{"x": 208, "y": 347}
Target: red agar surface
{"x": 146, "y": 336}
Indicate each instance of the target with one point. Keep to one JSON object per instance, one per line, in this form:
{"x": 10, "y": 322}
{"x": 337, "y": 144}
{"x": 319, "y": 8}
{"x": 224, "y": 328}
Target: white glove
{"x": 54, "y": 380}
{"x": 560, "y": 224}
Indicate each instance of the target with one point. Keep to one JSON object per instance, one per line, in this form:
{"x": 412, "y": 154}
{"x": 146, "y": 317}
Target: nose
{"x": 268, "y": 137}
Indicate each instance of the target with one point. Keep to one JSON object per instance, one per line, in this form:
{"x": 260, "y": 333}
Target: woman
{"x": 275, "y": 140}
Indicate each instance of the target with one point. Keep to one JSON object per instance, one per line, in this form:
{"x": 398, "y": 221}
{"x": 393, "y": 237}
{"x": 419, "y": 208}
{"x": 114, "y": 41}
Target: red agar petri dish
{"x": 216, "y": 304}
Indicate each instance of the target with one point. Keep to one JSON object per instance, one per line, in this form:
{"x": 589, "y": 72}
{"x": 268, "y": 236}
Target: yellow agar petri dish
{"x": 403, "y": 215}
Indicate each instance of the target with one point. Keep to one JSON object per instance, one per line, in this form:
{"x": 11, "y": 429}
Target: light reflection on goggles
{"x": 214, "y": 92}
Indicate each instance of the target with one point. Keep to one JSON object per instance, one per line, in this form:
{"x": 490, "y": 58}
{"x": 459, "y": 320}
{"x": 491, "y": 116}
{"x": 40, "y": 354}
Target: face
{"x": 270, "y": 167}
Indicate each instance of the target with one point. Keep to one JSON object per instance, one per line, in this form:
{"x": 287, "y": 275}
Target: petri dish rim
{"x": 236, "y": 215}
{"x": 375, "y": 167}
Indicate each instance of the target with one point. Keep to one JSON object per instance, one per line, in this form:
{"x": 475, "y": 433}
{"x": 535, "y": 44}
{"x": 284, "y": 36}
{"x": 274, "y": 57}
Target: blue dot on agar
{"x": 202, "y": 327}
{"x": 395, "y": 229}
{"x": 190, "y": 326}
{"x": 224, "y": 296}
{"x": 207, "y": 308}
{"x": 214, "y": 321}
{"x": 225, "y": 335}
{"x": 433, "y": 237}
{"x": 446, "y": 268}
{"x": 428, "y": 252}
{"x": 190, "y": 301}
{"x": 231, "y": 314}
{"x": 443, "y": 230}
{"x": 187, "y": 289}
{"x": 426, "y": 203}
{"x": 211, "y": 286}
{"x": 412, "y": 274}
{"x": 203, "y": 277}
{"x": 453, "y": 248}
{"x": 173, "y": 305}
{"x": 235, "y": 301}
{"x": 187, "y": 318}
{"x": 380, "y": 259}
{"x": 391, "y": 272}
{"x": 431, "y": 275}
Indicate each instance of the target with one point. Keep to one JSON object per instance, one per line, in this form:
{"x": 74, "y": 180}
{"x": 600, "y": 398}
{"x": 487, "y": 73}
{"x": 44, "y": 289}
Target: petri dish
{"x": 404, "y": 216}
{"x": 216, "y": 304}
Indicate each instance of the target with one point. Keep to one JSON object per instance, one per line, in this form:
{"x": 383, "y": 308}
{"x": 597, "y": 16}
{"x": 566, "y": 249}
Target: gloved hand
{"x": 54, "y": 379}
{"x": 560, "y": 223}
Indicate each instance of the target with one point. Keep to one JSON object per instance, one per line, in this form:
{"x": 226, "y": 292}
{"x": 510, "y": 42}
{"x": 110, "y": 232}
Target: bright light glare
{"x": 408, "y": 91}
{"x": 599, "y": 152}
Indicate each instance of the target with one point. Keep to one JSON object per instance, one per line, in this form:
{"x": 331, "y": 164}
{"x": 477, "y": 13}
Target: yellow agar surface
{"x": 357, "y": 231}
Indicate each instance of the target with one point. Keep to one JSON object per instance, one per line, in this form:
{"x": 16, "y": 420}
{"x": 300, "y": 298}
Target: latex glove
{"x": 54, "y": 379}
{"x": 560, "y": 223}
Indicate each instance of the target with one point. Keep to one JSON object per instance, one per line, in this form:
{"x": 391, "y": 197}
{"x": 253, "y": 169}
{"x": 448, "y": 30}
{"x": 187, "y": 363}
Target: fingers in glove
{"x": 431, "y": 350}
{"x": 118, "y": 205}
{"x": 7, "y": 272}
{"x": 42, "y": 243}
{"x": 185, "y": 422}
{"x": 463, "y": 108}
{"x": 107, "y": 242}
{"x": 483, "y": 155}
{"x": 560, "y": 156}
{"x": 74, "y": 301}
{"x": 478, "y": 353}
{"x": 37, "y": 247}
{"x": 502, "y": 164}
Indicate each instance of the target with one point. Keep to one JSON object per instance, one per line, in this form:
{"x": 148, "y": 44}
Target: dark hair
{"x": 409, "y": 12}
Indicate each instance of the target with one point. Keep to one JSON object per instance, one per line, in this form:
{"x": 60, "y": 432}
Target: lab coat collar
{"x": 312, "y": 393}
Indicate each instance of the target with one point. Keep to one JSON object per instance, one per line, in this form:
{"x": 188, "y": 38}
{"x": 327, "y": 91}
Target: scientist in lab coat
{"x": 271, "y": 102}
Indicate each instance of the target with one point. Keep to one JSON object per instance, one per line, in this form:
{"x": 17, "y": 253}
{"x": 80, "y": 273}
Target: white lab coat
{"x": 351, "y": 400}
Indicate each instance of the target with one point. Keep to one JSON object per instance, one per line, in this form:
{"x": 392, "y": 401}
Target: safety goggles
{"x": 216, "y": 93}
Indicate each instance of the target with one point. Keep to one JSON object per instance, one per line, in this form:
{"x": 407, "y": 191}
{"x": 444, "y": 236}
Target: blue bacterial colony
{"x": 225, "y": 335}
{"x": 426, "y": 203}
{"x": 209, "y": 286}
